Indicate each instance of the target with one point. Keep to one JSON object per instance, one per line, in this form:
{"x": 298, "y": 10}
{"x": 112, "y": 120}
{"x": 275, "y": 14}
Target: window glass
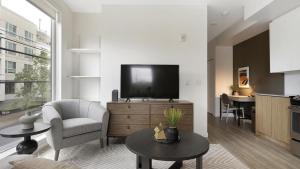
{"x": 11, "y": 29}
{"x": 10, "y": 67}
{"x": 27, "y": 67}
{"x": 29, "y": 51}
{"x": 10, "y": 88}
{"x": 11, "y": 46}
{"x": 26, "y": 83}
{"x": 28, "y": 36}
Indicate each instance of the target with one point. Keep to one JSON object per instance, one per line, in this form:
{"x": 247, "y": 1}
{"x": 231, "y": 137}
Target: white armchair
{"x": 74, "y": 122}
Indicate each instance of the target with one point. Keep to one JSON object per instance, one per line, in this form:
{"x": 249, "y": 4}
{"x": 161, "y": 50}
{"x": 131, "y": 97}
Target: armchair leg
{"x": 56, "y": 155}
{"x": 101, "y": 142}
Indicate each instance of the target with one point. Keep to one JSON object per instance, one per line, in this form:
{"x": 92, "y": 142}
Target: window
{"x": 11, "y": 29}
{"x": 10, "y": 88}
{"x": 27, "y": 83}
{"x": 27, "y": 67}
{"x": 28, "y": 36}
{"x": 28, "y": 50}
{"x": 27, "y": 87}
{"x": 11, "y": 46}
{"x": 10, "y": 67}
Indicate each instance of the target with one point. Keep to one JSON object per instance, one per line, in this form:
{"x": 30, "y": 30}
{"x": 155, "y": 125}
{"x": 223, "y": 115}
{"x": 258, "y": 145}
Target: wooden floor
{"x": 255, "y": 152}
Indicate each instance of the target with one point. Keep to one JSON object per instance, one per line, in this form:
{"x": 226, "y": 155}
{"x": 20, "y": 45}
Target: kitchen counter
{"x": 273, "y": 117}
{"x": 272, "y": 95}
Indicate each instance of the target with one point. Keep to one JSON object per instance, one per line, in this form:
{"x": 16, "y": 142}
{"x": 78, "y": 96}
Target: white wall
{"x": 152, "y": 35}
{"x": 62, "y": 66}
{"x": 284, "y": 42}
{"x": 211, "y": 90}
{"x": 292, "y": 83}
{"x": 88, "y": 36}
{"x": 284, "y": 50}
{"x": 223, "y": 73}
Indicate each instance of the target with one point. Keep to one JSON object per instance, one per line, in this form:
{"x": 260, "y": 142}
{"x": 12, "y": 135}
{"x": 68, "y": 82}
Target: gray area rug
{"x": 117, "y": 156}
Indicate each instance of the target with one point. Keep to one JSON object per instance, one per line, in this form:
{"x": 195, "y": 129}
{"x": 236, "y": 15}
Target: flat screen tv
{"x": 150, "y": 81}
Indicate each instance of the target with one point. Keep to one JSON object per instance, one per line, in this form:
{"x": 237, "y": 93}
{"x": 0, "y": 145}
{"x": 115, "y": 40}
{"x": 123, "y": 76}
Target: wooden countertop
{"x": 273, "y": 95}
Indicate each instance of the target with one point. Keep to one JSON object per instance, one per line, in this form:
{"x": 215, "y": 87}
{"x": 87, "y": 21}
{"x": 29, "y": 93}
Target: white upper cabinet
{"x": 285, "y": 42}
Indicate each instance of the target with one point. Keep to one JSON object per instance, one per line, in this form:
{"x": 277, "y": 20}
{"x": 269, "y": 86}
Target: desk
{"x": 238, "y": 101}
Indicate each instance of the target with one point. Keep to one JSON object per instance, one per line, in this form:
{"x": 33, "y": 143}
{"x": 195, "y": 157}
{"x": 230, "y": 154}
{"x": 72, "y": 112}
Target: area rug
{"x": 117, "y": 156}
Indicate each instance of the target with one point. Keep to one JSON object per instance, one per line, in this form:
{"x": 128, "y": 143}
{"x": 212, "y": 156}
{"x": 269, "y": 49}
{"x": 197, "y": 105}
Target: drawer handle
{"x": 129, "y": 106}
{"x": 128, "y": 127}
{"x": 128, "y": 117}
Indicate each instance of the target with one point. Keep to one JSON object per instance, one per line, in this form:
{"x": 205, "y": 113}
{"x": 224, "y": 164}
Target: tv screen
{"x": 150, "y": 81}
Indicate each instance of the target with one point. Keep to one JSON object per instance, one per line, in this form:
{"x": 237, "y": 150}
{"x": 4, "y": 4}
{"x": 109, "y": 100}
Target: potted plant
{"x": 234, "y": 90}
{"x": 173, "y": 116}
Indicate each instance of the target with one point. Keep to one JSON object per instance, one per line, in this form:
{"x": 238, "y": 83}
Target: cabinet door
{"x": 264, "y": 115}
{"x": 281, "y": 119}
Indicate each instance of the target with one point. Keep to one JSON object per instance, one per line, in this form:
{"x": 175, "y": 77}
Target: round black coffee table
{"x": 142, "y": 143}
{"x": 28, "y": 146}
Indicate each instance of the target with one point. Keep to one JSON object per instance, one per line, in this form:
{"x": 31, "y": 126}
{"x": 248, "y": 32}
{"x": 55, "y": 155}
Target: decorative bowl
{"x": 28, "y": 120}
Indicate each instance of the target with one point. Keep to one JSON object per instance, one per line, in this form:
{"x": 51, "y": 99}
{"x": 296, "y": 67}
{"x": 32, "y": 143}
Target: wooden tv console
{"x": 128, "y": 117}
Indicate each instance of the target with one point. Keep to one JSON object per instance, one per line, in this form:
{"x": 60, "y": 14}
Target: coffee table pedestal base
{"x": 28, "y": 146}
{"x": 145, "y": 163}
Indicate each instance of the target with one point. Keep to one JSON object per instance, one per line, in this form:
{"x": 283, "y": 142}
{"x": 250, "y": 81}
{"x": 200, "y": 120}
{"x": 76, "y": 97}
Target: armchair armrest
{"x": 55, "y": 134}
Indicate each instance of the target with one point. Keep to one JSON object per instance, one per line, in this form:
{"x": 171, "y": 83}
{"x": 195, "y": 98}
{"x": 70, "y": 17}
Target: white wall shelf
{"x": 85, "y": 50}
{"x": 86, "y": 71}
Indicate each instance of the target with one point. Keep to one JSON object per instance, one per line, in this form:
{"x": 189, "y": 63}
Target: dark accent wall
{"x": 255, "y": 53}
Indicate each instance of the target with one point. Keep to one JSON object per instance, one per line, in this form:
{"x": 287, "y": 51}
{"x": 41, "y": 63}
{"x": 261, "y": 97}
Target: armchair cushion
{"x": 78, "y": 126}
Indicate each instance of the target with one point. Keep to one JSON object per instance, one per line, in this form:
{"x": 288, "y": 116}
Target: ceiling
{"x": 94, "y": 6}
{"x": 221, "y": 13}
{"x": 225, "y": 17}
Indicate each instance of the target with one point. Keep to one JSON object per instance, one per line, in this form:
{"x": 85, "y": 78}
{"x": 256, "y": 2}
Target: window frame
{"x": 29, "y": 51}
{"x": 11, "y": 46}
{"x": 27, "y": 37}
{"x": 7, "y": 69}
{"x": 11, "y": 29}
{"x": 27, "y": 67}
{"x": 10, "y": 88}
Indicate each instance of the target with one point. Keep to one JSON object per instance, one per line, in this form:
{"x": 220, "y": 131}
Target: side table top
{"x": 17, "y": 131}
{"x": 190, "y": 146}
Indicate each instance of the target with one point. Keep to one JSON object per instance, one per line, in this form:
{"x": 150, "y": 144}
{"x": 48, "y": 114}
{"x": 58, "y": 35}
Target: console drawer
{"x": 117, "y": 119}
{"x": 125, "y": 130}
{"x": 129, "y": 108}
{"x": 187, "y": 109}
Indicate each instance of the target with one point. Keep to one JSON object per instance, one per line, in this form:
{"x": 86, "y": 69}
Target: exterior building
{"x": 20, "y": 34}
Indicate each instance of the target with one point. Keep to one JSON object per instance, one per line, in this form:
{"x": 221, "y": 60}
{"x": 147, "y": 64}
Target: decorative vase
{"x": 171, "y": 134}
{"x": 28, "y": 120}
